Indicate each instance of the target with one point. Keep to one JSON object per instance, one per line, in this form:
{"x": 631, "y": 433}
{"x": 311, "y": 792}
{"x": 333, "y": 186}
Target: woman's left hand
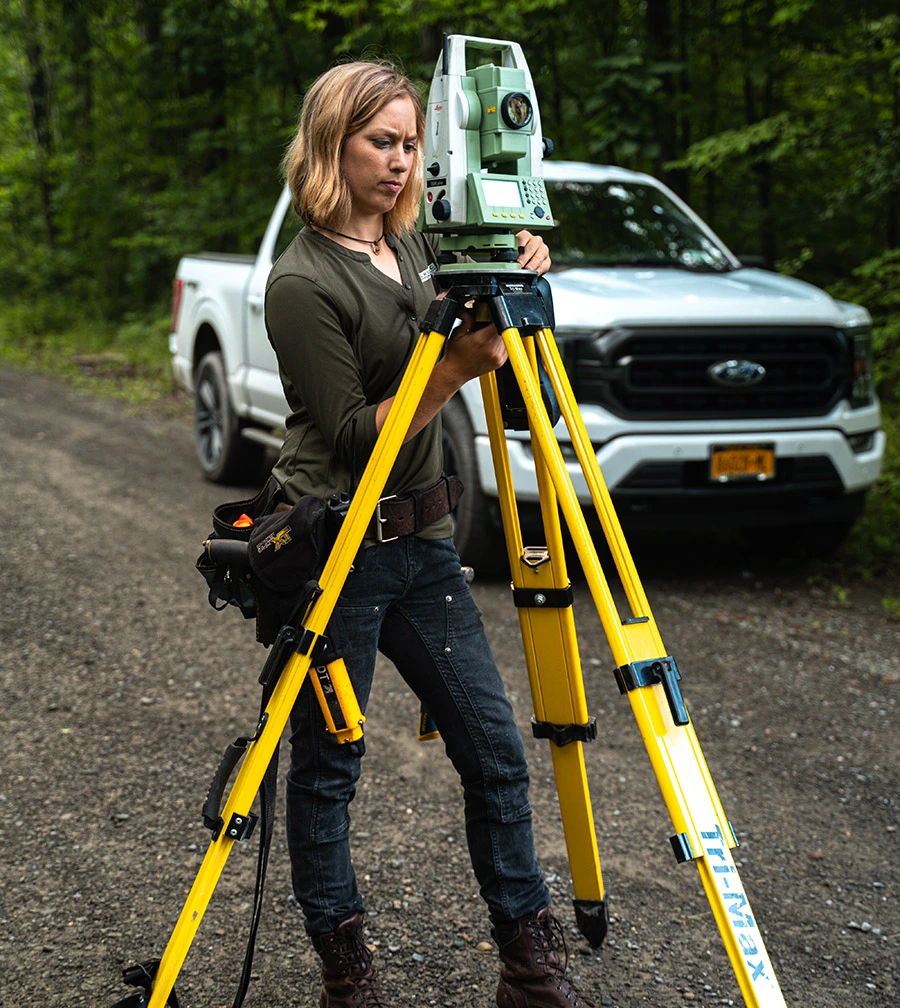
{"x": 536, "y": 255}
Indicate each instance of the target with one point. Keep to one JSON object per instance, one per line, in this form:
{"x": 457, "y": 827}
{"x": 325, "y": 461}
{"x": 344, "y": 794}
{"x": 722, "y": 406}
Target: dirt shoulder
{"x": 120, "y": 688}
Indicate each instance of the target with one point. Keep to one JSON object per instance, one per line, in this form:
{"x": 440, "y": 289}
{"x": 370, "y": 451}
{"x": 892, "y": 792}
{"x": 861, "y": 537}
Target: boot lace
{"x": 549, "y": 938}
{"x": 355, "y": 961}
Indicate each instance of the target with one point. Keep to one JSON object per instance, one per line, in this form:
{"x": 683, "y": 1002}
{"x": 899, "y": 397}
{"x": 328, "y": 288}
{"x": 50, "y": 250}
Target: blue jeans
{"x": 409, "y": 600}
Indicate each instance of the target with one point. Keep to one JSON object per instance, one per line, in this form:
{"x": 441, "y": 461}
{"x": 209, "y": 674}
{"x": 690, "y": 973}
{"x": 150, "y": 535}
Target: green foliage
{"x": 134, "y": 132}
{"x": 128, "y": 359}
{"x": 874, "y": 548}
{"x": 771, "y": 139}
{"x": 876, "y": 284}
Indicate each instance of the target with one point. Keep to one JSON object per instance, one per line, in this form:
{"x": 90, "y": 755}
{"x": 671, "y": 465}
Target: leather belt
{"x": 399, "y": 516}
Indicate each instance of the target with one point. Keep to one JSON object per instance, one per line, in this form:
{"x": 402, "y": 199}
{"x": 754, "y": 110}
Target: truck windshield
{"x": 626, "y": 224}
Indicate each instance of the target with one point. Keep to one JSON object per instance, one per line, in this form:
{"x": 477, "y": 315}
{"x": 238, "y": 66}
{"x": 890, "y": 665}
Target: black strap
{"x": 267, "y": 795}
{"x": 268, "y": 792}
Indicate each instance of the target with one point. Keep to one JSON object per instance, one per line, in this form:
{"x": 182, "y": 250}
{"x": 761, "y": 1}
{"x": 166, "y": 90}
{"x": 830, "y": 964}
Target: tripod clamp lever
{"x": 649, "y": 673}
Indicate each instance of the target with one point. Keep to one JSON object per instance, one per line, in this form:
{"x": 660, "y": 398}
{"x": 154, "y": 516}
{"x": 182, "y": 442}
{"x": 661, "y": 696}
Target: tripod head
{"x": 483, "y": 151}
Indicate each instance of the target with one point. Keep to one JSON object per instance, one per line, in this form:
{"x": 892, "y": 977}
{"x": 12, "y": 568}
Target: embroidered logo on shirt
{"x": 427, "y": 273}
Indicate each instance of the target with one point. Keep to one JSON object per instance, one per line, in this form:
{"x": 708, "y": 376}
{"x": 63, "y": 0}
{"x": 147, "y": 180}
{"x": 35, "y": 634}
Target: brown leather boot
{"x": 533, "y": 974}
{"x": 348, "y": 977}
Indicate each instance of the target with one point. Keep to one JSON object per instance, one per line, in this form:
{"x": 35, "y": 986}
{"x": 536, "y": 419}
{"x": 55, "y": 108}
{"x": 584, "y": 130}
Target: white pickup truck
{"x": 713, "y": 393}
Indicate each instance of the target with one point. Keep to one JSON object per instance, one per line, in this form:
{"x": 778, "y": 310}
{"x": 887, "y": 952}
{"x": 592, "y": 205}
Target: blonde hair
{"x": 338, "y": 104}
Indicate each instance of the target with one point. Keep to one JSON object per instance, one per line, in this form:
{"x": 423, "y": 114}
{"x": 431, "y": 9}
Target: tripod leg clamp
{"x": 561, "y": 735}
{"x": 542, "y": 598}
{"x": 441, "y": 316}
{"x": 649, "y": 673}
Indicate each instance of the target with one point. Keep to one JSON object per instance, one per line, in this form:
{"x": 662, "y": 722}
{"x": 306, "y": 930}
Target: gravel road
{"x": 121, "y": 686}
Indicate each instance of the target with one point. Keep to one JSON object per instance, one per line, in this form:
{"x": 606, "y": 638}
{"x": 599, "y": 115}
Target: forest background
{"x": 135, "y": 131}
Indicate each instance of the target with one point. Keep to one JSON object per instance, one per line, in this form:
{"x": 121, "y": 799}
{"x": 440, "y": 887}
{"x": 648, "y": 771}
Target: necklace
{"x": 376, "y": 246}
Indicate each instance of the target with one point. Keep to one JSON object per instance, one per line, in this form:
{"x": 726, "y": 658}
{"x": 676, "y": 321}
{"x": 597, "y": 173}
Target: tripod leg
{"x": 543, "y": 597}
{"x": 612, "y": 529}
{"x": 650, "y": 678}
{"x": 259, "y": 753}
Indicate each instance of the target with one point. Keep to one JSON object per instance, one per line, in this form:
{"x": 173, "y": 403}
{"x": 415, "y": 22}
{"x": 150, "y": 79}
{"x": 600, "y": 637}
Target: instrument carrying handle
{"x": 212, "y": 819}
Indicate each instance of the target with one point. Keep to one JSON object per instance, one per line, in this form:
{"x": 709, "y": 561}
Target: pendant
{"x": 376, "y": 248}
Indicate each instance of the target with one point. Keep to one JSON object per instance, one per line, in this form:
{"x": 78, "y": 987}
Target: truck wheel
{"x": 477, "y": 532}
{"x": 225, "y": 456}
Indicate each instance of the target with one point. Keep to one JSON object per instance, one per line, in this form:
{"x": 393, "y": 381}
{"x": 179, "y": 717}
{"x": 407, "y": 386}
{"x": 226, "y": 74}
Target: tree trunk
{"x": 155, "y": 78}
{"x": 765, "y": 169}
{"x": 39, "y": 89}
{"x": 712, "y": 121}
{"x": 682, "y": 177}
{"x": 660, "y": 49}
{"x": 892, "y": 216}
{"x": 283, "y": 31}
{"x": 77, "y": 45}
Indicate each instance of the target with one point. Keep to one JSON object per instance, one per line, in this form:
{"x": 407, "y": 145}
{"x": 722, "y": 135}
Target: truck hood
{"x": 604, "y": 297}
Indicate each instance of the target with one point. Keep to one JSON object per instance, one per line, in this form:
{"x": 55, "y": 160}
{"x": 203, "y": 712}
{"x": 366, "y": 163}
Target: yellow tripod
{"x": 542, "y": 593}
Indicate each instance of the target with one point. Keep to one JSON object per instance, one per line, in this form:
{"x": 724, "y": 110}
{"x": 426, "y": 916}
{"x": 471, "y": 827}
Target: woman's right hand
{"x": 468, "y": 353}
{"x": 473, "y": 349}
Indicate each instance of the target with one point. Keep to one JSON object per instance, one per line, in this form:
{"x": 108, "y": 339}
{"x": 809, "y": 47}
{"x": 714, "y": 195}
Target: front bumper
{"x": 663, "y": 479}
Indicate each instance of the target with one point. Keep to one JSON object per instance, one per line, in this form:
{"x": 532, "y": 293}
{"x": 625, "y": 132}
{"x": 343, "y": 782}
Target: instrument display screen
{"x": 501, "y": 192}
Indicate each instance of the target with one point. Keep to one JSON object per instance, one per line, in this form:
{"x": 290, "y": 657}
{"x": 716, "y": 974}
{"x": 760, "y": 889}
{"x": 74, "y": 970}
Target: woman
{"x": 343, "y": 305}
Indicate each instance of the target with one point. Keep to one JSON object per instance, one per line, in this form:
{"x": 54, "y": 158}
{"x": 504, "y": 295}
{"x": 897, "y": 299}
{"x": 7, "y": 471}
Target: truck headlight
{"x": 862, "y": 383}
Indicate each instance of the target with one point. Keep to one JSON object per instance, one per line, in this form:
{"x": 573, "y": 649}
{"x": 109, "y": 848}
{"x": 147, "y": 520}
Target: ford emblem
{"x": 736, "y": 373}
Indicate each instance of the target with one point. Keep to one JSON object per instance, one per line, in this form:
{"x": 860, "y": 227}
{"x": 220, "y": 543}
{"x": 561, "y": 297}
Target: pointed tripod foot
{"x": 592, "y": 918}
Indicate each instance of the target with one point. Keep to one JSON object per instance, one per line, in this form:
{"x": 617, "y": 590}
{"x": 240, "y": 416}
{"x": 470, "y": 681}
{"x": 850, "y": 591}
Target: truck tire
{"x": 477, "y": 530}
{"x": 225, "y": 456}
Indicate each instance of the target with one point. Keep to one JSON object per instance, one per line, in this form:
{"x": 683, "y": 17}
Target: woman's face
{"x": 376, "y": 160}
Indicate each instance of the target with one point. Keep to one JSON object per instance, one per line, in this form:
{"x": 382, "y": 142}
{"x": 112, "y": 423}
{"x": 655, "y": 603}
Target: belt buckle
{"x": 379, "y": 521}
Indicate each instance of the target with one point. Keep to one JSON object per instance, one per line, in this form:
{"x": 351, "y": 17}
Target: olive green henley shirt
{"x": 343, "y": 332}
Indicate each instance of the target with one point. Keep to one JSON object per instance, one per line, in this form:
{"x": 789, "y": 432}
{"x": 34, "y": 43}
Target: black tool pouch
{"x": 287, "y": 553}
{"x": 267, "y": 569}
{"x": 227, "y": 573}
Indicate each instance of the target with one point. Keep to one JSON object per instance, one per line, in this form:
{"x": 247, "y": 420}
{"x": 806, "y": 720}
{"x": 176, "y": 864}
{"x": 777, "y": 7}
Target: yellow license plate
{"x": 742, "y": 462}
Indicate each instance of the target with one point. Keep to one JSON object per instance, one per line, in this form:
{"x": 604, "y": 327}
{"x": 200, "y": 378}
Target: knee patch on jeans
{"x": 505, "y": 801}
{"x": 505, "y": 814}
{"x": 322, "y": 831}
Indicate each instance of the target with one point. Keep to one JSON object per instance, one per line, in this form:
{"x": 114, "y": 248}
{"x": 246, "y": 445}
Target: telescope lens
{"x": 517, "y": 110}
